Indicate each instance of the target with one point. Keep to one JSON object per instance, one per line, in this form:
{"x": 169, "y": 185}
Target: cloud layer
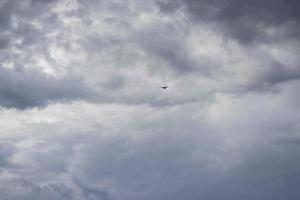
{"x": 83, "y": 115}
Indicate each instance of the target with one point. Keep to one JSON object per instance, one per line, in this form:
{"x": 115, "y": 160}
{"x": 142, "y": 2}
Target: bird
{"x": 164, "y": 87}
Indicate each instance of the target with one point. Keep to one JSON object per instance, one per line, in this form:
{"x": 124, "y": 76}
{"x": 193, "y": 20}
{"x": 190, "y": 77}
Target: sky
{"x": 83, "y": 116}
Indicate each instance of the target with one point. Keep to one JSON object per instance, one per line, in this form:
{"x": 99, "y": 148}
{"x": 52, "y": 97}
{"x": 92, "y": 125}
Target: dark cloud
{"x": 4, "y": 41}
{"x": 247, "y": 21}
{"x": 20, "y": 42}
{"x": 6, "y": 152}
{"x": 6, "y": 9}
{"x": 31, "y": 191}
{"x": 166, "y": 44}
{"x": 91, "y": 193}
{"x": 143, "y": 152}
{"x": 24, "y": 88}
{"x": 168, "y": 6}
{"x": 273, "y": 75}
{"x": 226, "y": 128}
{"x": 43, "y": 1}
{"x": 277, "y": 74}
{"x": 161, "y": 46}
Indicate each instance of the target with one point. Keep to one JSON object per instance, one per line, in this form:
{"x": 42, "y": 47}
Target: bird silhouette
{"x": 164, "y": 87}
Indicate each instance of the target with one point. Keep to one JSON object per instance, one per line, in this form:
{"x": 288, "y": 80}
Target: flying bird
{"x": 164, "y": 87}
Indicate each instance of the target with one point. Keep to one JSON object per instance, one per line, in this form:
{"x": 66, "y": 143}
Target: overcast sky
{"x": 83, "y": 117}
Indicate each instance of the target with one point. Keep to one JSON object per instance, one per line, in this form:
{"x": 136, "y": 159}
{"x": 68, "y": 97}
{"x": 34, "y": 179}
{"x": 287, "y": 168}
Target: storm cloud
{"x": 23, "y": 88}
{"x": 246, "y": 21}
{"x": 83, "y": 116}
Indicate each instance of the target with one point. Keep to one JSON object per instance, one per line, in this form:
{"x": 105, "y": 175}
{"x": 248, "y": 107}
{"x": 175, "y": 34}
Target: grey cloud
{"x": 247, "y": 21}
{"x": 165, "y": 44}
{"x": 178, "y": 152}
{"x": 126, "y": 138}
{"x": 24, "y": 88}
{"x": 28, "y": 190}
{"x": 269, "y": 172}
{"x": 189, "y": 160}
{"x": 277, "y": 74}
{"x": 10, "y": 8}
{"x": 6, "y": 9}
{"x": 168, "y": 6}
{"x": 159, "y": 45}
{"x": 4, "y": 41}
{"x": 91, "y": 193}
{"x": 269, "y": 80}
{"x": 43, "y": 1}
{"x": 6, "y": 153}
{"x": 115, "y": 83}
{"x": 20, "y": 42}
{"x": 50, "y": 191}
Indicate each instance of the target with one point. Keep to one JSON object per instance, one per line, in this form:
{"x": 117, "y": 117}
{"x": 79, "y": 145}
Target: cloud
{"x": 141, "y": 46}
{"x": 83, "y": 115}
{"x": 140, "y": 152}
{"x": 6, "y": 152}
{"x": 247, "y": 21}
{"x": 166, "y": 44}
{"x": 27, "y": 79}
{"x": 25, "y": 88}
